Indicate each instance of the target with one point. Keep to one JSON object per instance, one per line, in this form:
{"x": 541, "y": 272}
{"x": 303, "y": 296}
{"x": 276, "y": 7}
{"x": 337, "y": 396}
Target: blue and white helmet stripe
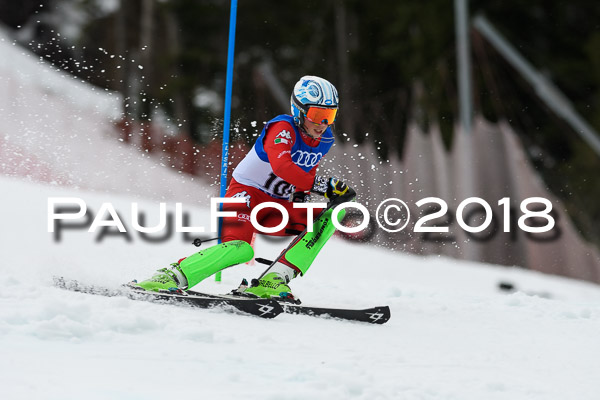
{"x": 312, "y": 91}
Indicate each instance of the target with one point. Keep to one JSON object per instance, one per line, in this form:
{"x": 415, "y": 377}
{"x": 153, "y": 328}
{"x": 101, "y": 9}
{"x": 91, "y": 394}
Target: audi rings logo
{"x": 306, "y": 159}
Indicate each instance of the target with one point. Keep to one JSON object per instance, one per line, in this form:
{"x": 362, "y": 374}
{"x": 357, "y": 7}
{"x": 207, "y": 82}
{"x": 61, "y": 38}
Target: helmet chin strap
{"x": 304, "y": 130}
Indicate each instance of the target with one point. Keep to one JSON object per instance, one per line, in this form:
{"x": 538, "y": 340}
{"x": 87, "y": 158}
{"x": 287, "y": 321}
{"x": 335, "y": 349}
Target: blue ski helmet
{"x": 312, "y": 91}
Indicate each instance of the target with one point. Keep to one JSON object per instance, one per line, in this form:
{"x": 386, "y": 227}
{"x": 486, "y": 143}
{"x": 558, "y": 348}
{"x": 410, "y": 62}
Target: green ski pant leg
{"x": 303, "y": 253}
{"x": 203, "y": 264}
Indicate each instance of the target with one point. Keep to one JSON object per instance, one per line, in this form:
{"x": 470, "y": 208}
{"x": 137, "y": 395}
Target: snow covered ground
{"x": 453, "y": 334}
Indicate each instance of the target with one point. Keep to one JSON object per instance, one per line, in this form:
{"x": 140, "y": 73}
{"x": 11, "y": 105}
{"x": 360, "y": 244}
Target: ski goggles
{"x": 321, "y": 115}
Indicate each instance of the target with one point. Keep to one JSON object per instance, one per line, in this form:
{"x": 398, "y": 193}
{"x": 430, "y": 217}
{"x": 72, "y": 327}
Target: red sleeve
{"x": 278, "y": 144}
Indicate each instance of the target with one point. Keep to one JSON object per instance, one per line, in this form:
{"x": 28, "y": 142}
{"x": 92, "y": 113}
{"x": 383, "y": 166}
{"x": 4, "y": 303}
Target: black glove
{"x": 338, "y": 192}
{"x": 333, "y": 189}
{"x": 301, "y": 197}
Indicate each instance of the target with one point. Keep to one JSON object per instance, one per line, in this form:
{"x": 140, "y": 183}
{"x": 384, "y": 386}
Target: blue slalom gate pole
{"x": 227, "y": 117}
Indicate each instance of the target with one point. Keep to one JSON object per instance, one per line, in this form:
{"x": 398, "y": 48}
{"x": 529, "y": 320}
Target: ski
{"x": 373, "y": 315}
{"x": 264, "y": 308}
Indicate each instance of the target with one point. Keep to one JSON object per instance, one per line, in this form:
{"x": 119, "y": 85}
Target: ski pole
{"x": 297, "y": 239}
{"x": 198, "y": 242}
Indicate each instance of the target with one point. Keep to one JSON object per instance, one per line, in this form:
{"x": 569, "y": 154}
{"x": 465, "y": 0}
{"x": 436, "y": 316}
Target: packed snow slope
{"x": 453, "y": 334}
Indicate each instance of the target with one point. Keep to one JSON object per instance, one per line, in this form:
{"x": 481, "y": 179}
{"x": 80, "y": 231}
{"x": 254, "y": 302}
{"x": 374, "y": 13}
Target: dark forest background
{"x": 391, "y": 61}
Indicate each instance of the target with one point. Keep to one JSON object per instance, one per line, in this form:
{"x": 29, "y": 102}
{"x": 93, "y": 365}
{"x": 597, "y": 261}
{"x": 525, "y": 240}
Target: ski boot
{"x": 274, "y": 284}
{"x": 165, "y": 279}
{"x": 271, "y": 286}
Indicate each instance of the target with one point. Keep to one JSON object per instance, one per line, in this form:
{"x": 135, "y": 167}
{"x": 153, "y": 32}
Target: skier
{"x": 281, "y": 167}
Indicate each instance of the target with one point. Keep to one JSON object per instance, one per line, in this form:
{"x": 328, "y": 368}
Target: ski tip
{"x": 373, "y": 315}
